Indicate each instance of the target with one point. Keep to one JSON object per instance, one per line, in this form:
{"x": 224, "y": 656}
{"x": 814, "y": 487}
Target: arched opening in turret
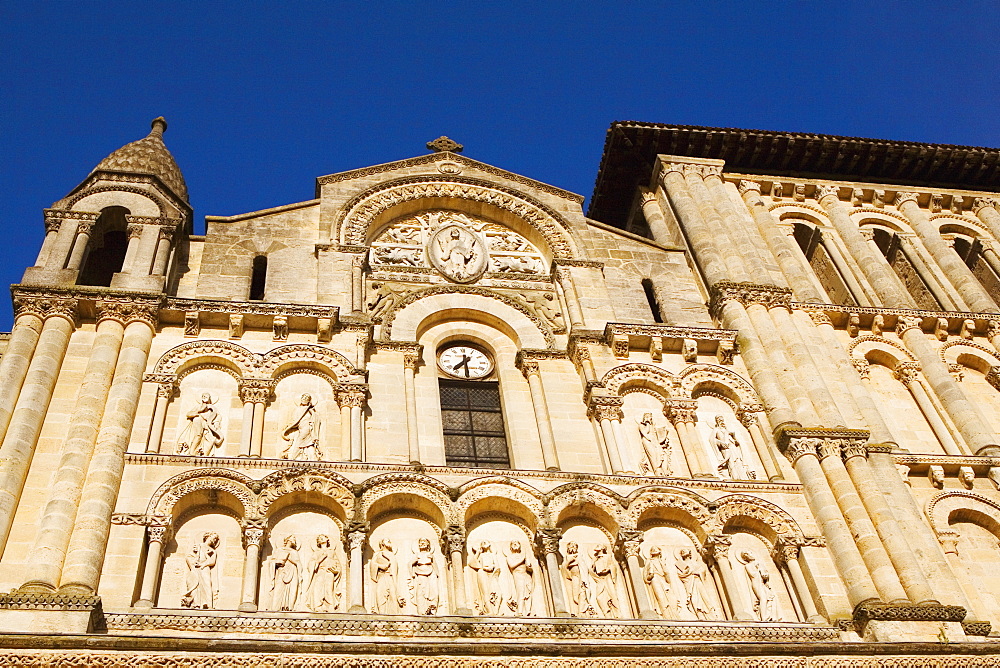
{"x": 258, "y": 278}
{"x": 106, "y": 250}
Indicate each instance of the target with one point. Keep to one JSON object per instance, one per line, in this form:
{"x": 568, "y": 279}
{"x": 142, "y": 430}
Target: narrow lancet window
{"x": 259, "y": 278}
{"x": 654, "y": 304}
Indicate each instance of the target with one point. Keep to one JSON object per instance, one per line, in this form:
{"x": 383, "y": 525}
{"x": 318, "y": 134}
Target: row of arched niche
{"x": 489, "y": 552}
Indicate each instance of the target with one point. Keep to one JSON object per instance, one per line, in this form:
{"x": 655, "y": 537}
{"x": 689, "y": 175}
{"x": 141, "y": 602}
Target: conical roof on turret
{"x": 148, "y": 155}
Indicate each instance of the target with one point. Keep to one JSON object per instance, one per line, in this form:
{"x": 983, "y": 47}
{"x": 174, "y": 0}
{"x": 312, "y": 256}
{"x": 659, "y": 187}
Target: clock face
{"x": 465, "y": 362}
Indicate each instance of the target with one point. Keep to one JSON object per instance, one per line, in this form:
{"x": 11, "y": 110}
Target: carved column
{"x": 908, "y": 373}
{"x": 801, "y": 451}
{"x": 253, "y": 536}
{"x": 16, "y": 359}
{"x": 718, "y": 548}
{"x": 605, "y": 410}
{"x": 788, "y": 552}
{"x": 937, "y": 283}
{"x": 32, "y": 404}
{"x": 51, "y": 233}
{"x": 761, "y": 444}
{"x": 356, "y": 536}
{"x": 254, "y": 393}
{"x": 134, "y": 234}
{"x": 565, "y": 280}
{"x": 156, "y": 536}
{"x": 949, "y": 543}
{"x": 163, "y": 242}
{"x": 357, "y": 283}
{"x": 453, "y": 541}
{"x": 166, "y": 388}
{"x": 911, "y": 576}
{"x": 59, "y": 255}
{"x": 85, "y": 555}
{"x": 410, "y": 362}
{"x": 682, "y": 413}
{"x": 654, "y": 218}
{"x": 580, "y": 354}
{"x": 83, "y": 230}
{"x": 872, "y": 550}
{"x": 951, "y": 264}
{"x": 630, "y": 540}
{"x": 56, "y": 523}
{"x": 351, "y": 396}
{"x": 549, "y": 539}
{"x": 532, "y": 373}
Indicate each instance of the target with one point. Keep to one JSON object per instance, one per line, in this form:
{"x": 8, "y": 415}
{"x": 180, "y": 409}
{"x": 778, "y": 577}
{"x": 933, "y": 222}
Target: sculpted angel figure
{"x": 382, "y": 571}
{"x": 729, "y": 450}
{"x": 323, "y": 575}
{"x": 521, "y": 572}
{"x": 654, "y": 574}
{"x": 200, "y": 581}
{"x": 692, "y": 574}
{"x": 656, "y": 444}
{"x": 203, "y": 432}
{"x": 457, "y": 252}
{"x": 382, "y": 301}
{"x": 602, "y": 572}
{"x": 764, "y": 602}
{"x": 424, "y": 577}
{"x": 285, "y": 575}
{"x": 302, "y": 435}
{"x": 484, "y": 562}
{"x": 574, "y": 578}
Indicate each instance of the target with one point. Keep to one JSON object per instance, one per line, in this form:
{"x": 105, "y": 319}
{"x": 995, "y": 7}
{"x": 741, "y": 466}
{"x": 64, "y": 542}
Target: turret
{"x": 120, "y": 227}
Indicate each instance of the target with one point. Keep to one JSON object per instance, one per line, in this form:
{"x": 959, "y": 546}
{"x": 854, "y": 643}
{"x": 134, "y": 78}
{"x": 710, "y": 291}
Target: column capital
{"x": 863, "y": 367}
{"x": 800, "y": 446}
{"x": 45, "y": 306}
{"x": 748, "y": 293}
{"x": 254, "y": 531}
{"x": 746, "y": 186}
{"x": 134, "y": 230}
{"x": 905, "y": 323}
{"x": 167, "y": 384}
{"x": 906, "y": 372}
{"x": 351, "y": 394}
{"x": 853, "y": 448}
{"x": 825, "y": 190}
{"x": 129, "y": 309}
{"x": 717, "y": 546}
{"x": 646, "y": 196}
{"x": 411, "y": 360}
{"x": 256, "y": 390}
{"x": 166, "y": 232}
{"x": 830, "y": 447}
{"x": 548, "y": 539}
{"x": 681, "y": 410}
{"x": 629, "y": 541}
{"x": 355, "y": 536}
{"x": 603, "y": 407}
{"x": 981, "y": 203}
{"x": 157, "y": 534}
{"x": 453, "y": 539}
{"x": 687, "y": 165}
{"x": 819, "y": 316}
{"x": 949, "y": 541}
{"x": 904, "y": 196}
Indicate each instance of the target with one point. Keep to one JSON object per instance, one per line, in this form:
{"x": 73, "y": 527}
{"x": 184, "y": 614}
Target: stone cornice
{"x": 839, "y": 315}
{"x": 747, "y": 294}
{"x": 250, "y": 308}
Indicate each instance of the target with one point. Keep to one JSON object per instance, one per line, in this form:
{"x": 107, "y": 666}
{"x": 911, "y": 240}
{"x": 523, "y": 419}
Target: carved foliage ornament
{"x": 747, "y": 294}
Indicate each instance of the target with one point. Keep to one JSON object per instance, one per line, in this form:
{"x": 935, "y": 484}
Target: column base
{"x": 36, "y": 587}
{"x": 357, "y": 610}
{"x": 464, "y": 612}
{"x": 247, "y": 607}
{"x": 648, "y": 614}
{"x": 143, "y": 604}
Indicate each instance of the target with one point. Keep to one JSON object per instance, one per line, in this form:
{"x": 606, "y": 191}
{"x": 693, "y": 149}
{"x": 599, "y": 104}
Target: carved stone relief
{"x": 200, "y": 584}
{"x": 283, "y": 569}
{"x": 203, "y": 431}
{"x": 656, "y": 446}
{"x": 503, "y": 575}
{"x": 406, "y": 571}
{"x": 592, "y": 576}
{"x": 302, "y": 436}
{"x": 731, "y": 463}
{"x": 305, "y": 566}
{"x": 678, "y": 581}
{"x": 758, "y": 577}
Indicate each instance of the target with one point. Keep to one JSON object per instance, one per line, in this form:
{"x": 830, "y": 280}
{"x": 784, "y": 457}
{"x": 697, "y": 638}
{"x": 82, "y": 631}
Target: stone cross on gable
{"x": 442, "y": 144}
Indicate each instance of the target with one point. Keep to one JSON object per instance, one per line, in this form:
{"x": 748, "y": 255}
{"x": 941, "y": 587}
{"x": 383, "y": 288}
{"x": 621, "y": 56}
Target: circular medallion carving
{"x": 458, "y": 253}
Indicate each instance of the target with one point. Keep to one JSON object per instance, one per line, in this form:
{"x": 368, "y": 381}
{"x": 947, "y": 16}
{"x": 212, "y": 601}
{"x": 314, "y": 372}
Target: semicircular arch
{"x": 171, "y": 491}
{"x": 621, "y": 377}
{"x": 192, "y": 353}
{"x": 287, "y": 357}
{"x": 961, "y": 505}
{"x": 732, "y": 511}
{"x": 308, "y": 481}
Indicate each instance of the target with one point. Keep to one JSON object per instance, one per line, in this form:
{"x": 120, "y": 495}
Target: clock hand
{"x": 465, "y": 362}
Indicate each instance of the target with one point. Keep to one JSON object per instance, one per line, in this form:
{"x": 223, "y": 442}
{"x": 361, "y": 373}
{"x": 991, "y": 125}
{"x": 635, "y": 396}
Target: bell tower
{"x": 120, "y": 227}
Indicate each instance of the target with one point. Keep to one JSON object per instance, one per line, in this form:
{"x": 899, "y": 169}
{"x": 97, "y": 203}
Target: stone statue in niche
{"x": 302, "y": 435}
{"x": 725, "y": 442}
{"x": 285, "y": 575}
{"x": 323, "y": 573}
{"x": 203, "y": 432}
{"x": 484, "y": 562}
{"x": 761, "y": 593}
{"x": 383, "y": 571}
{"x": 654, "y": 574}
{"x": 199, "y": 584}
{"x": 692, "y": 574}
{"x": 424, "y": 579}
{"x": 457, "y": 252}
{"x": 578, "y": 605}
{"x": 656, "y": 445}
{"x": 605, "y": 579}
{"x": 521, "y": 571}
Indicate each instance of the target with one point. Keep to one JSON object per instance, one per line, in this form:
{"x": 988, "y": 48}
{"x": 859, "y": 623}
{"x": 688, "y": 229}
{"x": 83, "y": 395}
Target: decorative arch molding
{"x": 861, "y": 347}
{"x": 621, "y": 377}
{"x": 166, "y": 496}
{"x": 193, "y": 353}
{"x": 352, "y": 226}
{"x": 966, "y": 506}
{"x": 711, "y": 377}
{"x": 281, "y": 359}
{"x": 132, "y": 190}
{"x": 289, "y": 481}
{"x": 732, "y": 507}
{"x": 524, "y": 331}
{"x": 897, "y": 222}
{"x": 969, "y": 227}
{"x": 960, "y": 348}
{"x": 583, "y": 494}
{"x": 694, "y": 506}
{"x": 502, "y": 488}
{"x": 810, "y": 211}
{"x": 433, "y": 491}
{"x": 201, "y": 366}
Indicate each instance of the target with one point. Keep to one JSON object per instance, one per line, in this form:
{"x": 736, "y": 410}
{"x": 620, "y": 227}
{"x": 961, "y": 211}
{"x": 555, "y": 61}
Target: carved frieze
{"x": 746, "y": 294}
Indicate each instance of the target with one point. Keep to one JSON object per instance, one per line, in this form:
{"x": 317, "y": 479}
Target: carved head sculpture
{"x": 211, "y": 539}
{"x": 206, "y": 398}
{"x": 600, "y": 551}
{"x": 485, "y": 546}
{"x": 424, "y": 545}
{"x": 647, "y": 418}
{"x": 291, "y": 542}
{"x": 385, "y": 544}
{"x": 515, "y": 546}
{"x": 322, "y": 540}
{"x": 306, "y": 400}
{"x": 746, "y": 557}
{"x": 684, "y": 553}
{"x": 720, "y": 421}
{"x": 655, "y": 552}
{"x": 572, "y": 548}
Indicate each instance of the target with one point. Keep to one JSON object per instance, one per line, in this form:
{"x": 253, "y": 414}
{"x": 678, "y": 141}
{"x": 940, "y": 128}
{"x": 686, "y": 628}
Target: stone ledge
{"x": 43, "y": 601}
{"x": 469, "y": 628}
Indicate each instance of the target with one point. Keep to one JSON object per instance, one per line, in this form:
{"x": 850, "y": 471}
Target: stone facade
{"x": 438, "y": 412}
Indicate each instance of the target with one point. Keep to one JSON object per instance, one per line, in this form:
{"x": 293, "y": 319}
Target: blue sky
{"x": 262, "y": 98}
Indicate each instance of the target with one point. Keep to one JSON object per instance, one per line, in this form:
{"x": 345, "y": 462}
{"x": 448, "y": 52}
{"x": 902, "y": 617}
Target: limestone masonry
{"x": 744, "y": 412}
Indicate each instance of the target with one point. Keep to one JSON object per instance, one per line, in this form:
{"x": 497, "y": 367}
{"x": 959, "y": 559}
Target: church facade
{"x": 744, "y": 410}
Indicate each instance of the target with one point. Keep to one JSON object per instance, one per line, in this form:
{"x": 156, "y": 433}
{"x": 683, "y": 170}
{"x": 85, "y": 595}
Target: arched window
{"x": 810, "y": 240}
{"x": 654, "y": 304}
{"x": 892, "y": 248}
{"x": 973, "y": 254}
{"x": 258, "y": 279}
{"x": 106, "y": 250}
{"x": 471, "y": 414}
